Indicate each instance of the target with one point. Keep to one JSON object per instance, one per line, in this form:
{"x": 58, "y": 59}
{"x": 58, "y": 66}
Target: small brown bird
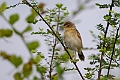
{"x": 72, "y": 39}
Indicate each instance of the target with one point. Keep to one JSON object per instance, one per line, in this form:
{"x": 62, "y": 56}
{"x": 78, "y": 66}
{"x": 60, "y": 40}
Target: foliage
{"x": 108, "y": 42}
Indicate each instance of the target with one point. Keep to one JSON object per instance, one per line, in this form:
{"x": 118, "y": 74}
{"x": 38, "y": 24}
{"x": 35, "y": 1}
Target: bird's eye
{"x": 68, "y": 25}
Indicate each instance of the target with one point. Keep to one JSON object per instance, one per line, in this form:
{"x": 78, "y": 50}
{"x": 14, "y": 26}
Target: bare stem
{"x": 55, "y": 43}
{"x": 100, "y": 68}
{"x": 113, "y": 51}
{"x": 51, "y": 64}
{"x": 57, "y": 38}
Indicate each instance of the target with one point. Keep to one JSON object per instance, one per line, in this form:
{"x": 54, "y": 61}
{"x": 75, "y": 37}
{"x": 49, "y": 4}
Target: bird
{"x": 72, "y": 39}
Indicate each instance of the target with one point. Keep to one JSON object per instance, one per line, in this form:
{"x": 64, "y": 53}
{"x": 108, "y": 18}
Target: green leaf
{"x": 37, "y": 59}
{"x": 1, "y": 33}
{"x": 70, "y": 69}
{"x": 41, "y": 69}
{"x": 29, "y": 28}
{"x": 97, "y": 4}
{"x": 107, "y": 17}
{"x": 117, "y": 3}
{"x": 59, "y": 5}
{"x": 2, "y": 7}
{"x": 55, "y": 77}
{"x": 105, "y": 77}
{"x": 4, "y": 55}
{"x": 16, "y": 61}
{"x": 33, "y": 51}
{"x": 30, "y": 18}
{"x": 33, "y": 12}
{"x": 13, "y": 18}
{"x": 117, "y": 15}
{"x": 65, "y": 57}
{"x": 39, "y": 53}
{"x": 100, "y": 27}
{"x": 5, "y": 33}
{"x": 102, "y": 5}
{"x": 33, "y": 45}
{"x": 27, "y": 69}
{"x": 48, "y": 31}
{"x": 66, "y": 13}
{"x": 17, "y": 76}
{"x": 8, "y": 33}
{"x": 35, "y": 78}
{"x": 59, "y": 69}
{"x": 102, "y": 50}
{"x": 64, "y": 8}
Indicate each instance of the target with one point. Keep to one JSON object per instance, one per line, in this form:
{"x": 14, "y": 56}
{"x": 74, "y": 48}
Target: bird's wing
{"x": 78, "y": 34}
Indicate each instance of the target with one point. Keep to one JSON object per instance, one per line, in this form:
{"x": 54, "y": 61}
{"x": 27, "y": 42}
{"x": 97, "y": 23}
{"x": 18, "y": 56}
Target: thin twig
{"x": 113, "y": 60}
{"x": 18, "y": 33}
{"x": 113, "y": 51}
{"x": 100, "y": 68}
{"x": 51, "y": 63}
{"x": 86, "y": 48}
{"x": 58, "y": 19}
{"x": 55, "y": 43}
{"x": 57, "y": 38}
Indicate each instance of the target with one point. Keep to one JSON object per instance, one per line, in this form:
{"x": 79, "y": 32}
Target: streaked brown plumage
{"x": 72, "y": 39}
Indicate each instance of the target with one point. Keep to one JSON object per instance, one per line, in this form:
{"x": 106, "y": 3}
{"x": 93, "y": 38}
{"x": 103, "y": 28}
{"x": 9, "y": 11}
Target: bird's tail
{"x": 81, "y": 56}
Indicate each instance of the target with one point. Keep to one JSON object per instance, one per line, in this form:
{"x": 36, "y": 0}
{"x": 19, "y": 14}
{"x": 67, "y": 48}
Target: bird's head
{"x": 69, "y": 25}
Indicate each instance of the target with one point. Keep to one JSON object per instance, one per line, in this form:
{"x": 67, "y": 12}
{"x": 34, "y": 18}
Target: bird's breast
{"x": 70, "y": 41}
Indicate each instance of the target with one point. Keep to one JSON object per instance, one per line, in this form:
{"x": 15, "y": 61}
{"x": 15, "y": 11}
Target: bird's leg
{"x": 74, "y": 55}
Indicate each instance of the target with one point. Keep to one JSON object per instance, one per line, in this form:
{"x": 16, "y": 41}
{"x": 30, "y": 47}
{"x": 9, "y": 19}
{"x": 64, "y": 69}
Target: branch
{"x": 99, "y": 72}
{"x": 56, "y": 37}
{"x": 113, "y": 60}
{"x": 55, "y": 43}
{"x": 51, "y": 63}
{"x": 113, "y": 51}
{"x": 86, "y": 48}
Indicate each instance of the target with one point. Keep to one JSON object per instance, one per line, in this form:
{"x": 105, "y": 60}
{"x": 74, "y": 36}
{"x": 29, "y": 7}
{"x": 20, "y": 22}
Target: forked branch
{"x": 105, "y": 34}
{"x": 113, "y": 51}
